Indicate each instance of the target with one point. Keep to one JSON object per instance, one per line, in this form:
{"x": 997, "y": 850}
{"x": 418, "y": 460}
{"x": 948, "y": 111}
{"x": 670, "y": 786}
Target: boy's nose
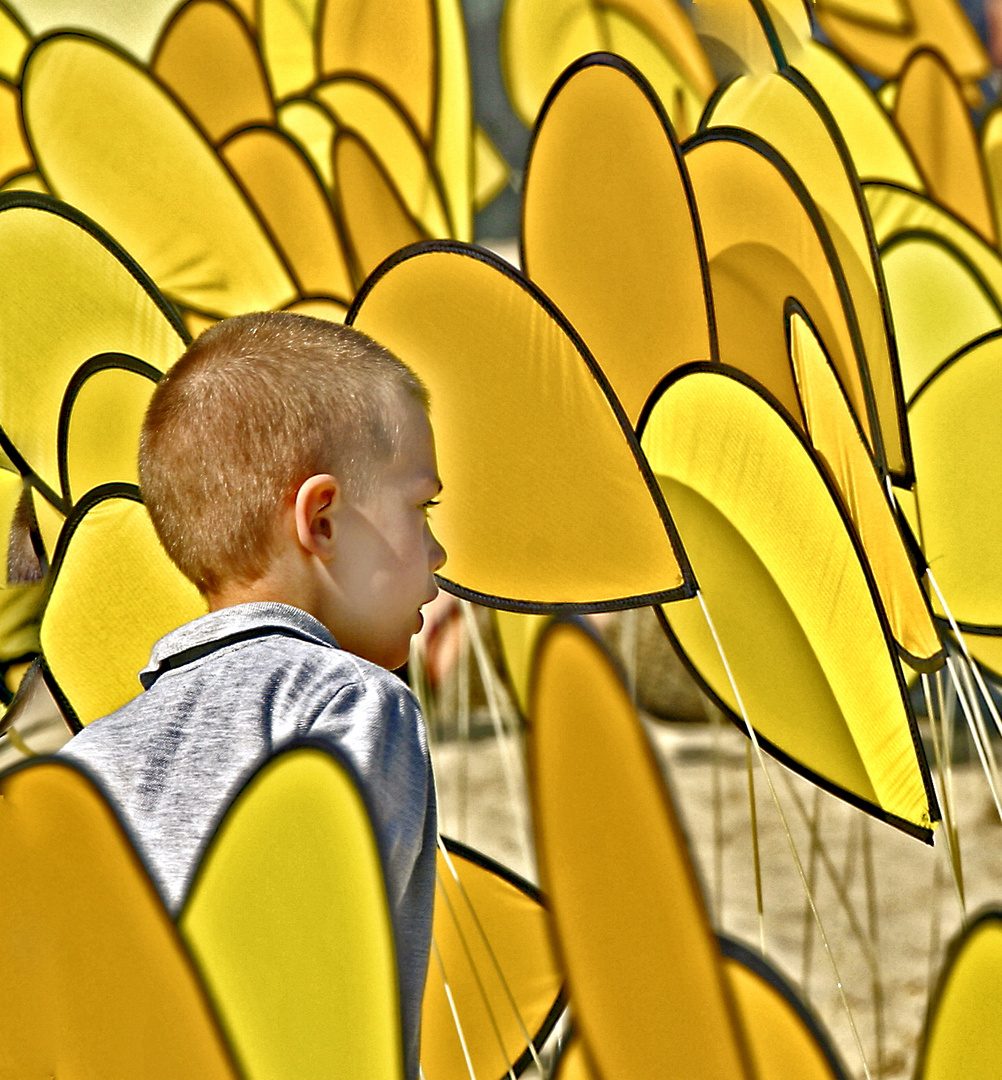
{"x": 436, "y": 554}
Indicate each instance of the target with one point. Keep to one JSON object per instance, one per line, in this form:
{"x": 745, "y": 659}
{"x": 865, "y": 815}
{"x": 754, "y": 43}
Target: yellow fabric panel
{"x": 836, "y": 438}
{"x": 958, "y": 456}
{"x": 392, "y": 44}
{"x": 490, "y": 170}
{"x": 510, "y": 390}
{"x": 607, "y": 232}
{"x": 936, "y": 24}
{"x": 963, "y": 1035}
{"x": 290, "y": 199}
{"x": 20, "y": 605}
{"x": 518, "y": 634}
{"x": 287, "y": 33}
{"x": 986, "y": 649}
{"x": 762, "y": 247}
{"x": 937, "y": 303}
{"x": 888, "y": 14}
{"x": 15, "y": 154}
{"x": 773, "y": 557}
{"x": 574, "y": 1064}
{"x": 991, "y": 151}
{"x": 31, "y": 181}
{"x": 452, "y": 142}
{"x": 364, "y": 109}
{"x": 115, "y": 593}
{"x": 195, "y": 323}
{"x": 303, "y": 972}
{"x": 110, "y": 141}
{"x": 320, "y": 308}
{"x": 313, "y": 128}
{"x": 50, "y": 523}
{"x": 781, "y": 1044}
{"x": 106, "y": 987}
{"x": 210, "y": 63}
{"x": 629, "y": 917}
{"x": 492, "y": 942}
{"x": 102, "y": 445}
{"x": 65, "y": 298}
{"x": 934, "y": 120}
{"x": 874, "y": 143}
{"x": 375, "y": 221}
{"x": 14, "y": 44}
{"x": 788, "y": 120}
{"x": 733, "y": 37}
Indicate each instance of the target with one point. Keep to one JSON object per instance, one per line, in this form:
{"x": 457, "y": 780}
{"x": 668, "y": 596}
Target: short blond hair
{"x": 255, "y": 406}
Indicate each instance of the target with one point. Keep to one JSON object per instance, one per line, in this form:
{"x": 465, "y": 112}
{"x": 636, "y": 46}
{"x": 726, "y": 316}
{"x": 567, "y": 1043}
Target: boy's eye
{"x": 430, "y": 503}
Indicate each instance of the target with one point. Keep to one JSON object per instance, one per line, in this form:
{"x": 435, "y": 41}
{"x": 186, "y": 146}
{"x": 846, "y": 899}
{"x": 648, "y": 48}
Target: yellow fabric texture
{"x": 938, "y": 302}
{"x": 876, "y": 147}
{"x": 574, "y": 1064}
{"x": 65, "y": 298}
{"x": 14, "y": 44}
{"x": 20, "y": 604}
{"x": 762, "y": 248}
{"x": 958, "y": 454}
{"x": 303, "y": 972}
{"x": 50, "y": 522}
{"x": 102, "y": 440}
{"x": 734, "y": 37}
{"x": 208, "y": 59}
{"x": 628, "y": 916}
{"x": 932, "y": 116}
{"x": 375, "y": 220}
{"x": 511, "y": 391}
{"x": 106, "y": 987}
{"x": 290, "y": 199}
{"x": 608, "y": 234}
{"x": 114, "y": 594}
{"x": 963, "y": 1037}
{"x": 517, "y": 635}
{"x": 286, "y": 32}
{"x": 15, "y": 154}
{"x": 492, "y": 947}
{"x": 786, "y": 592}
{"x": 313, "y": 128}
{"x": 936, "y": 24}
{"x": 490, "y": 170}
{"x": 889, "y": 14}
{"x": 539, "y": 38}
{"x": 110, "y": 141}
{"x": 788, "y": 119}
{"x": 452, "y": 142}
{"x": 835, "y": 436}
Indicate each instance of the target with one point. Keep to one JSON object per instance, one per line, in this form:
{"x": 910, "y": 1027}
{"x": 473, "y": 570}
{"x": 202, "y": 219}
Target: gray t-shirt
{"x": 223, "y": 695}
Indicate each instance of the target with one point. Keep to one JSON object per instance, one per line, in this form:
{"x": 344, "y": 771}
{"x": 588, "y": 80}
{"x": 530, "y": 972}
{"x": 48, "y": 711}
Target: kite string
{"x": 756, "y": 853}
{"x": 789, "y": 836}
{"x": 452, "y": 1009}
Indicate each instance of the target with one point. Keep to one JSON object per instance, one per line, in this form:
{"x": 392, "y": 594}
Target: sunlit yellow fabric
{"x": 491, "y": 941}
{"x": 991, "y": 151}
{"x": 65, "y": 298}
{"x": 30, "y": 181}
{"x": 958, "y": 454}
{"x": 287, "y": 33}
{"x": 545, "y": 501}
{"x": 389, "y": 43}
{"x": 628, "y": 914}
{"x": 786, "y": 592}
{"x": 49, "y": 520}
{"x": 15, "y": 154}
{"x": 932, "y": 116}
{"x": 364, "y": 109}
{"x": 936, "y": 24}
{"x": 876, "y": 148}
{"x": 837, "y": 439}
{"x": 452, "y": 145}
{"x": 291, "y": 201}
{"x": 490, "y": 170}
{"x": 106, "y": 987}
{"x": 889, "y": 14}
{"x": 20, "y": 604}
{"x": 762, "y": 247}
{"x": 302, "y": 972}
{"x": 209, "y": 61}
{"x": 102, "y": 444}
{"x": 518, "y": 634}
{"x": 110, "y": 141}
{"x": 734, "y": 37}
{"x": 963, "y": 1036}
{"x": 938, "y": 305}
{"x": 375, "y": 221}
{"x": 782, "y": 1046}
{"x": 320, "y": 309}
{"x": 115, "y": 593}
{"x": 313, "y": 127}
{"x": 608, "y": 234}
{"x": 574, "y": 1064}
{"x": 782, "y": 114}
{"x": 14, "y": 44}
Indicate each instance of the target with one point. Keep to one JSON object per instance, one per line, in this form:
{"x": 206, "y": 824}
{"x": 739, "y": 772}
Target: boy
{"x": 288, "y": 466}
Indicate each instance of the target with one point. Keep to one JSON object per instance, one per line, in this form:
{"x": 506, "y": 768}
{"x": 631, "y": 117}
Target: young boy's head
{"x": 289, "y": 458}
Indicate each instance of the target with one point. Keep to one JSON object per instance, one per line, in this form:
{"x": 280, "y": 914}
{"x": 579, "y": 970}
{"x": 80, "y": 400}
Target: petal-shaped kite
{"x": 302, "y": 973}
{"x": 313, "y": 128}
{"x": 788, "y": 113}
{"x": 107, "y": 987}
{"x": 15, "y": 154}
{"x": 788, "y": 589}
{"x": 609, "y": 227}
{"x": 287, "y": 32}
{"x": 549, "y": 500}
{"x": 991, "y": 152}
{"x": 935, "y": 122}
{"x": 15, "y": 41}
{"x": 889, "y": 14}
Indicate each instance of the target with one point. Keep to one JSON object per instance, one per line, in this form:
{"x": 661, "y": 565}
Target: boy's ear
{"x": 317, "y": 502}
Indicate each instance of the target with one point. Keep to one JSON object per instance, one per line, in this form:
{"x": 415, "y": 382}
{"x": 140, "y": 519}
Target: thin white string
{"x": 452, "y": 1009}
